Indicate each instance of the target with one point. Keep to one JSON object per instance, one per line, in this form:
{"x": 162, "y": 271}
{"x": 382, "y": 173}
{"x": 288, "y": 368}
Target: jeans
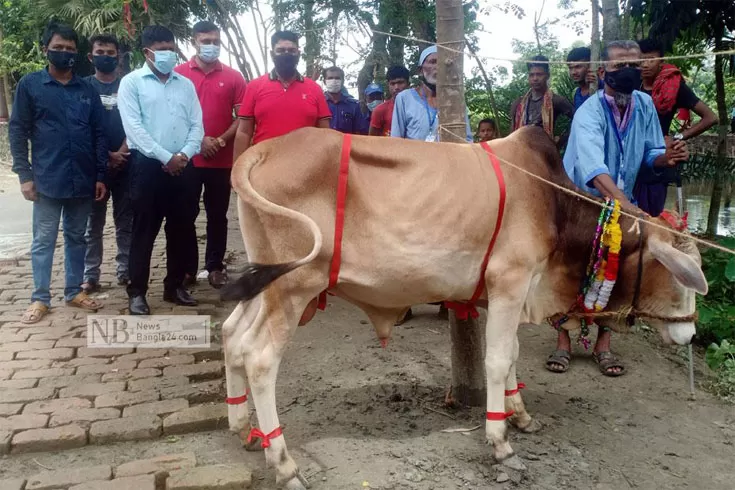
{"x": 47, "y": 213}
{"x": 216, "y": 183}
{"x": 122, "y": 213}
{"x": 155, "y": 195}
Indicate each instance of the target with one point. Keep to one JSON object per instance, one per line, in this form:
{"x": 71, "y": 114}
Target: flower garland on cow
{"x": 602, "y": 269}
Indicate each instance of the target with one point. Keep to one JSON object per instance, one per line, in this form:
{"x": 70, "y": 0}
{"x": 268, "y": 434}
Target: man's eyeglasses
{"x": 626, "y": 64}
{"x": 286, "y": 50}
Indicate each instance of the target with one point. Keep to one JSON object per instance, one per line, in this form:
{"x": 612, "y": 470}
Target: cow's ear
{"x": 684, "y": 268}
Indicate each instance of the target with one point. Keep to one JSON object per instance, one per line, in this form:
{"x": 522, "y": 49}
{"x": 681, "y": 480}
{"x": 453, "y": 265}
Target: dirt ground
{"x": 357, "y": 416}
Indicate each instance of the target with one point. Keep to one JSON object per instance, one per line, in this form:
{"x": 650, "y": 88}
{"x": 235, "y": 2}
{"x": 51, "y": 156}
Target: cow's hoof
{"x": 502, "y": 451}
{"x": 298, "y": 482}
{"x": 533, "y": 425}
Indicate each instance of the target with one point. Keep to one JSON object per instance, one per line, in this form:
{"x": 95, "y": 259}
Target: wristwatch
{"x": 678, "y": 137}
{"x": 222, "y": 143}
{"x": 183, "y": 155}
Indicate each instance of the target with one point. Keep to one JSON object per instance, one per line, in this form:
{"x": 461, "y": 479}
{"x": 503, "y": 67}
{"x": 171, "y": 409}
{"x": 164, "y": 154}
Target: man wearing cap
{"x": 381, "y": 117}
{"x": 373, "y": 98}
{"x": 415, "y": 115}
{"x": 346, "y": 114}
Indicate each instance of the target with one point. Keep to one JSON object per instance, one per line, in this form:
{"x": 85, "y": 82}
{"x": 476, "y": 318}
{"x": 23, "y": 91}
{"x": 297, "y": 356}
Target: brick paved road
{"x": 55, "y": 393}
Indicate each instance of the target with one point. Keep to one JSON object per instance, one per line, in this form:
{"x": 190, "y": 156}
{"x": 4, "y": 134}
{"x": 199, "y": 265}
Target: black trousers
{"x": 216, "y": 184}
{"x": 155, "y": 195}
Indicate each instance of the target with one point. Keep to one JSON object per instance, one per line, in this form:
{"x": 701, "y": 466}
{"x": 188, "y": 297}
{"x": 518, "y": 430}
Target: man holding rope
{"x": 612, "y": 137}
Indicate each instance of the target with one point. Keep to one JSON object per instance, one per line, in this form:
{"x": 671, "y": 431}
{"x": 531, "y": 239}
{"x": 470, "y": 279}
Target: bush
{"x": 721, "y": 359}
{"x": 717, "y": 309}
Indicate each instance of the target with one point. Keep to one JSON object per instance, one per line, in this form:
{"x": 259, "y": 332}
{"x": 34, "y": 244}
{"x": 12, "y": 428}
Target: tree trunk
{"x": 468, "y": 373}
{"x": 595, "y": 42}
{"x": 714, "y": 203}
{"x": 625, "y": 32}
{"x": 611, "y": 20}
{"x": 4, "y": 114}
{"x": 312, "y": 47}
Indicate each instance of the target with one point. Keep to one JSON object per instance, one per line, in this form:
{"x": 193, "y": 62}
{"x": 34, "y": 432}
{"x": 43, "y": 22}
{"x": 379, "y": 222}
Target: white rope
{"x": 591, "y": 200}
{"x": 550, "y": 62}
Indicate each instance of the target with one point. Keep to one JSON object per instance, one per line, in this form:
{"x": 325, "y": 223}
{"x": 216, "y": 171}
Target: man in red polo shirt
{"x": 220, "y": 90}
{"x": 382, "y": 116}
{"x": 281, "y": 101}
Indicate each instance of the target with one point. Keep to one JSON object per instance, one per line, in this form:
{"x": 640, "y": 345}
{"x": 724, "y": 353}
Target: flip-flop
{"x": 561, "y": 358}
{"x": 606, "y": 361}
{"x": 35, "y": 312}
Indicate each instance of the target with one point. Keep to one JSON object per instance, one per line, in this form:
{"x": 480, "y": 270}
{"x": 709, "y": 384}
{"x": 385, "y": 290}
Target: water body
{"x": 696, "y": 202}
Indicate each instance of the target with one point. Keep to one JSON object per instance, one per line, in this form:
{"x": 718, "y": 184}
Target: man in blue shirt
{"x": 62, "y": 117}
{"x": 415, "y": 114}
{"x": 614, "y": 134}
{"x": 104, "y": 56}
{"x": 163, "y": 122}
{"x": 578, "y": 62}
{"x": 346, "y": 114}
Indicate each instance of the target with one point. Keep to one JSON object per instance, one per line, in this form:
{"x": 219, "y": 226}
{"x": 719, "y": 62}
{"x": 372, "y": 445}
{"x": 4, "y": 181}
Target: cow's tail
{"x": 256, "y": 277}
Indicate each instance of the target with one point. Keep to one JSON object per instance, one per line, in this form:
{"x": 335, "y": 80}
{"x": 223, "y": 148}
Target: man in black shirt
{"x": 670, "y": 93}
{"x": 105, "y": 56}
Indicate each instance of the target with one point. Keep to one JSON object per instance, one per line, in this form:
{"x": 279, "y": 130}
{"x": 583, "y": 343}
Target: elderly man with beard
{"x": 415, "y": 115}
{"x": 612, "y": 138}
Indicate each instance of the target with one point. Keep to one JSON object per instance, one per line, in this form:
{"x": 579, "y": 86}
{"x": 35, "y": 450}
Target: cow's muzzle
{"x": 678, "y": 333}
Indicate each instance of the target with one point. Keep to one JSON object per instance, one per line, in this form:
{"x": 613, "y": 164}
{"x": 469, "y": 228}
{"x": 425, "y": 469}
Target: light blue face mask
{"x": 164, "y": 61}
{"x": 372, "y": 105}
{"x": 209, "y": 53}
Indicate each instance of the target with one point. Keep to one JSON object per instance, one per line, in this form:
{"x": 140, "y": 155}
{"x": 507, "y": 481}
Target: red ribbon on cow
{"x": 339, "y": 222}
{"x": 499, "y": 416}
{"x": 237, "y": 400}
{"x": 464, "y": 310}
{"x": 513, "y": 392}
{"x": 678, "y": 223}
{"x": 266, "y": 438}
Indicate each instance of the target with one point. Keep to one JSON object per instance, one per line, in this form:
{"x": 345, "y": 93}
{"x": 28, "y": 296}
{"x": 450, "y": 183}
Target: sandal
{"x": 558, "y": 358}
{"x": 84, "y": 302}
{"x": 607, "y": 361}
{"x": 34, "y": 313}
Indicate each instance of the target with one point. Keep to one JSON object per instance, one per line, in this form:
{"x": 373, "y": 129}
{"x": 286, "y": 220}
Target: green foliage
{"x": 717, "y": 309}
{"x": 20, "y": 50}
{"x": 704, "y": 166}
{"x": 721, "y": 359}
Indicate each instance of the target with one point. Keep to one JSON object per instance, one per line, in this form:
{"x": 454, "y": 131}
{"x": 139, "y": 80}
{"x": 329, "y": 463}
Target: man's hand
{"x": 100, "y": 191}
{"x": 117, "y": 159}
{"x": 176, "y": 165}
{"x": 592, "y": 78}
{"x": 676, "y": 151}
{"x": 28, "y": 189}
{"x": 210, "y": 147}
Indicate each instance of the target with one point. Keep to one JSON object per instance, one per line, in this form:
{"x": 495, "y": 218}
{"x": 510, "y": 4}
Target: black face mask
{"x": 286, "y": 64}
{"x": 104, "y": 63}
{"x": 432, "y": 86}
{"x": 624, "y": 80}
{"x": 62, "y": 60}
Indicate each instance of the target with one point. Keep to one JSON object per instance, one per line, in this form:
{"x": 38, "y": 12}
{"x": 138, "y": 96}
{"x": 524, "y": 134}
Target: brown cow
{"x": 418, "y": 220}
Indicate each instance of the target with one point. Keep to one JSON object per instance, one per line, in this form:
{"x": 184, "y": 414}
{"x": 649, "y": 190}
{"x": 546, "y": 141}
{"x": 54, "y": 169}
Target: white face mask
{"x": 209, "y": 53}
{"x": 333, "y": 86}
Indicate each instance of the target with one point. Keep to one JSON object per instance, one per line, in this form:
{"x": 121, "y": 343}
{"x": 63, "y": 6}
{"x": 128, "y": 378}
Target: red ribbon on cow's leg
{"x": 463, "y": 311}
{"x": 322, "y": 301}
{"x": 499, "y": 416}
{"x": 237, "y": 400}
{"x": 265, "y": 438}
{"x": 519, "y": 387}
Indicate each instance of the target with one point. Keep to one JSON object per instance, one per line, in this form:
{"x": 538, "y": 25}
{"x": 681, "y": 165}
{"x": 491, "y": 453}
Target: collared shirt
{"x": 278, "y": 110}
{"x": 66, "y": 127}
{"x": 160, "y": 119}
{"x": 579, "y": 99}
{"x": 346, "y": 115}
{"x": 594, "y": 148}
{"x": 219, "y": 92}
{"x": 621, "y": 121}
{"x": 414, "y": 119}
{"x": 382, "y": 117}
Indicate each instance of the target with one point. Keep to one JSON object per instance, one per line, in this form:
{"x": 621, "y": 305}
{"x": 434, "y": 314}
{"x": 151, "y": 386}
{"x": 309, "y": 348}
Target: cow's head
{"x": 672, "y": 274}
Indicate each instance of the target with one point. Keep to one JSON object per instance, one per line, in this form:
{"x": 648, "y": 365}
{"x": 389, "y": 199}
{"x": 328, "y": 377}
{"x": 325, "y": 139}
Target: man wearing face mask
{"x": 282, "y": 100}
{"x": 346, "y": 114}
{"x": 373, "y": 98}
{"x": 613, "y": 136}
{"x": 220, "y": 90}
{"x": 415, "y": 116}
{"x": 63, "y": 118}
{"x": 162, "y": 118}
{"x": 381, "y": 117}
{"x": 104, "y": 57}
